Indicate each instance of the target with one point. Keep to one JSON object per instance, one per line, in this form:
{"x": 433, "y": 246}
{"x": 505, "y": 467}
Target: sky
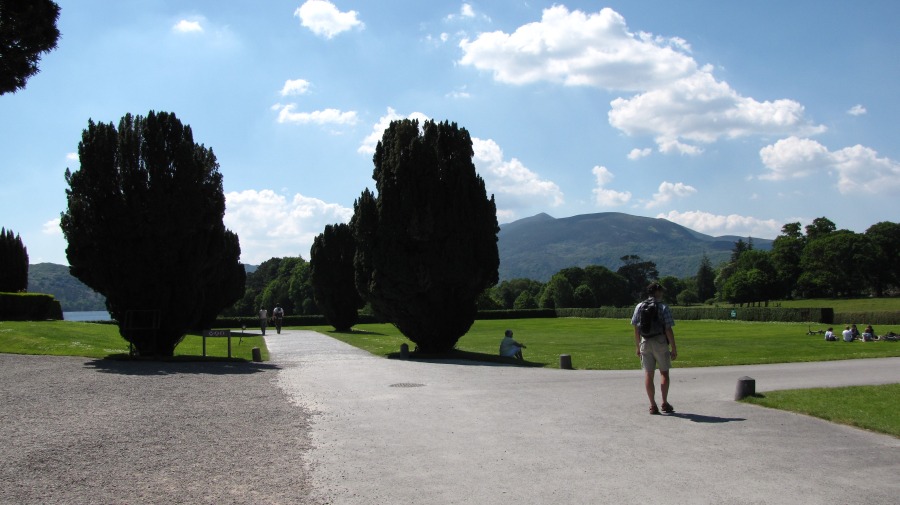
{"x": 730, "y": 118}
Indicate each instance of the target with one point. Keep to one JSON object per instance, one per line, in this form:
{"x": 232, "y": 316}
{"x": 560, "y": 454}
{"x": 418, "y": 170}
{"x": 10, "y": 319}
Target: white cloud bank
{"x": 732, "y": 224}
{"x": 677, "y": 102}
{"x": 286, "y": 114}
{"x": 669, "y": 191}
{"x": 857, "y": 168}
{"x": 324, "y": 19}
{"x": 271, "y": 225}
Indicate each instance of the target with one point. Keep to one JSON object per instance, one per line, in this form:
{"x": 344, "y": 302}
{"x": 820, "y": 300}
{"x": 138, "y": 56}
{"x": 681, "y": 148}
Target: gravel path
{"x": 79, "y": 430}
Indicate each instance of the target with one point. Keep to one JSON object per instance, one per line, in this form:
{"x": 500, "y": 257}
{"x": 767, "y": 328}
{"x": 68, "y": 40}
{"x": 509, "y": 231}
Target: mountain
{"x": 73, "y": 295}
{"x": 56, "y": 280}
{"x": 539, "y": 246}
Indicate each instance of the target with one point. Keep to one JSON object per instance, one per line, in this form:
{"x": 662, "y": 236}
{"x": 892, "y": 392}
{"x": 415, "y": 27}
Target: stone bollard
{"x": 404, "y": 350}
{"x": 257, "y": 356}
{"x": 746, "y": 386}
{"x": 565, "y": 362}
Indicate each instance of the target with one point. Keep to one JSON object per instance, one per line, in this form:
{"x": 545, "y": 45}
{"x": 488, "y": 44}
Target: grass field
{"x": 66, "y": 338}
{"x": 608, "y": 344}
{"x": 868, "y": 407}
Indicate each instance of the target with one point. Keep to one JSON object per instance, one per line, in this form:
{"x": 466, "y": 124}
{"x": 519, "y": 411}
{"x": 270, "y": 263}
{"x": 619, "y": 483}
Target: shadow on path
{"x": 135, "y": 367}
{"x": 700, "y": 418}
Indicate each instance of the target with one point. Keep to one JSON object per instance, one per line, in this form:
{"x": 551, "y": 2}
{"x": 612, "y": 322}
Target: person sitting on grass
{"x": 829, "y": 335}
{"x": 854, "y": 331}
{"x": 510, "y": 348}
{"x": 848, "y": 335}
{"x": 868, "y": 334}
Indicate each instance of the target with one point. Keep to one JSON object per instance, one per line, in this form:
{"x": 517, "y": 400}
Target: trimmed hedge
{"x": 516, "y": 314}
{"x": 314, "y": 320}
{"x": 864, "y": 318}
{"x": 29, "y": 307}
{"x": 821, "y": 315}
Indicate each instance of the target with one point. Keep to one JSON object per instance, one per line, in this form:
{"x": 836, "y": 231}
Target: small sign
{"x": 733, "y": 314}
{"x": 216, "y": 333}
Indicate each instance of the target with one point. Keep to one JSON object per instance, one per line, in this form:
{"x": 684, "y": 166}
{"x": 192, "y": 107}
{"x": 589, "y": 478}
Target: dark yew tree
{"x": 706, "y": 280}
{"x": 332, "y": 276}
{"x": 885, "y": 237}
{"x": 787, "y": 249}
{"x": 427, "y": 244}
{"x": 839, "y": 263}
{"x": 144, "y": 229}
{"x": 609, "y": 288}
{"x": 638, "y": 273}
{"x": 13, "y": 262}
{"x": 27, "y": 30}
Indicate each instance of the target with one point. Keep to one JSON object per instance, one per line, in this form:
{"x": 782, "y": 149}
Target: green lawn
{"x": 608, "y": 344}
{"x": 67, "y": 338}
{"x": 869, "y": 407}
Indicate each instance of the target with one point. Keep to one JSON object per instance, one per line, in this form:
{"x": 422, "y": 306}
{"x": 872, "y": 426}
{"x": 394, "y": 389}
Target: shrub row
{"x": 805, "y": 315}
{"x": 516, "y": 314}
{"x": 29, "y": 307}
{"x": 314, "y": 320}
{"x": 863, "y": 318}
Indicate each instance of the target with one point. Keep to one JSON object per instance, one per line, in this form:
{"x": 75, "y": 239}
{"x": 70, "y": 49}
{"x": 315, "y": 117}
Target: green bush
{"x": 29, "y": 307}
{"x": 515, "y": 314}
{"x": 873, "y": 318}
{"x": 804, "y": 315}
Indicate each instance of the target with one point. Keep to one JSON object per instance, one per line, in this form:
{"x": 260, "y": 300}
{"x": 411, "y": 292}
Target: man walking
{"x": 653, "y": 339}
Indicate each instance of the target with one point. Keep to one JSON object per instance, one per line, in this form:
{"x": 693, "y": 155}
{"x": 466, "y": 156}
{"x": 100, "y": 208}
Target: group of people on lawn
{"x": 851, "y": 333}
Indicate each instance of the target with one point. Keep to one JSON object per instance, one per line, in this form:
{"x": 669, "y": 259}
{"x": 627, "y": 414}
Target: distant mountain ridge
{"x": 537, "y": 247}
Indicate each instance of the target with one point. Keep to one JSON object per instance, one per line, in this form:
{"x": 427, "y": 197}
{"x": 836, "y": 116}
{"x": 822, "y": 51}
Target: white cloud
{"x": 295, "y": 87}
{"x": 286, "y": 114}
{"x": 637, "y": 154}
{"x": 467, "y": 11}
{"x": 607, "y": 197}
{"x": 677, "y": 100}
{"x": 578, "y": 49}
{"x": 371, "y": 140}
{"x": 185, "y": 26}
{"x": 72, "y": 157}
{"x": 669, "y": 191}
{"x": 51, "y": 227}
{"x": 271, "y": 225}
{"x": 857, "y": 110}
{"x": 858, "y": 168}
{"x": 700, "y": 109}
{"x": 513, "y": 185}
{"x": 324, "y": 18}
{"x": 732, "y": 224}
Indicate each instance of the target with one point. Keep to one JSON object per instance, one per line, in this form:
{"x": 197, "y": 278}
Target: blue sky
{"x": 726, "y": 117}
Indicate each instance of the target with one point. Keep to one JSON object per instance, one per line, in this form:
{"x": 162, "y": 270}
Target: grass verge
{"x": 868, "y": 407}
{"x": 608, "y": 344}
{"x": 67, "y": 338}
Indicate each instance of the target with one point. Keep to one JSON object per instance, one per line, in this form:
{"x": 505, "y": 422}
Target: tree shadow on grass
{"x": 469, "y": 358}
{"x": 700, "y": 418}
{"x": 122, "y": 365}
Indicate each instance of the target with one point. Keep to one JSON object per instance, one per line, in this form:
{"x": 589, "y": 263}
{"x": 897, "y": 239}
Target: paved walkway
{"x": 406, "y": 432}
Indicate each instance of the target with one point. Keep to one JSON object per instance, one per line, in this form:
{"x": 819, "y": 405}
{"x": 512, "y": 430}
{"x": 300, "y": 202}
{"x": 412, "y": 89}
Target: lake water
{"x": 93, "y": 315}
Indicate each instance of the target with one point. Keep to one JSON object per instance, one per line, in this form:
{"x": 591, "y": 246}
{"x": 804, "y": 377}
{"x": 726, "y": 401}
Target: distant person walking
{"x": 653, "y": 338}
{"x": 278, "y": 317}
{"x": 263, "y": 319}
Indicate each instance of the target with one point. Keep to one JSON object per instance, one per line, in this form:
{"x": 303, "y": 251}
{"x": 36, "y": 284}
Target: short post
{"x": 746, "y": 386}
{"x": 257, "y": 356}
{"x": 229, "y": 344}
{"x": 204, "y": 342}
{"x": 565, "y": 362}
{"x": 404, "y": 350}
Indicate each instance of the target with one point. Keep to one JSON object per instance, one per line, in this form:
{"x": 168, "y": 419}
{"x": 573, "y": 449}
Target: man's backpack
{"x": 651, "y": 323}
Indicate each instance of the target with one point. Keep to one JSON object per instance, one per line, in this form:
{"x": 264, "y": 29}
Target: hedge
{"x": 29, "y": 307}
{"x": 804, "y": 315}
{"x": 864, "y": 318}
{"x": 515, "y": 314}
{"x": 313, "y": 320}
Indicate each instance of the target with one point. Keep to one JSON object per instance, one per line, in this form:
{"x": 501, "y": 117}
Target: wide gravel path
{"x": 85, "y": 431}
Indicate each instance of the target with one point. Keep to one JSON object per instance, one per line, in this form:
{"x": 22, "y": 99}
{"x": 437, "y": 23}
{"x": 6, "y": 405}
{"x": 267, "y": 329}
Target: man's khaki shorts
{"x": 655, "y": 352}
